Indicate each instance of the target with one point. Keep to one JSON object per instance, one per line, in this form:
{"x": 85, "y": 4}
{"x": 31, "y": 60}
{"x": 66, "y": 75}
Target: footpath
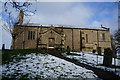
{"x": 102, "y": 74}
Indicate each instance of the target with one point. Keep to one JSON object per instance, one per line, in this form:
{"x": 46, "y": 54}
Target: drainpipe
{"x": 97, "y": 40}
{"x": 23, "y": 39}
{"x": 97, "y": 45}
{"x": 80, "y": 40}
{"x": 72, "y": 40}
{"x": 37, "y": 39}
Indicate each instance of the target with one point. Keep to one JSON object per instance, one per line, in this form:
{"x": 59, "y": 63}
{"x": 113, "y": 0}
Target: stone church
{"x": 78, "y": 38}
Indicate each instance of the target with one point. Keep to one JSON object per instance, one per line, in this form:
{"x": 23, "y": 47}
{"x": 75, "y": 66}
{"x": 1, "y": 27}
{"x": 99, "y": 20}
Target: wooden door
{"x": 51, "y": 42}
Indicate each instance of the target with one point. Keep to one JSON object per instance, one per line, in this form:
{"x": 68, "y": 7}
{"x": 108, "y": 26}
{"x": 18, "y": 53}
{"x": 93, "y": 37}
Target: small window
{"x": 31, "y": 35}
{"x": 102, "y": 36}
{"x": 86, "y": 38}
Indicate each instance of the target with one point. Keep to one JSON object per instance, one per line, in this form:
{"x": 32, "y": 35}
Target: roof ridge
{"x": 63, "y": 25}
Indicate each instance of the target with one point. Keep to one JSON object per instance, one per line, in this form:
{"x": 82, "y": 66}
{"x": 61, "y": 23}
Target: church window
{"x": 31, "y": 35}
{"x": 86, "y": 38}
{"x": 102, "y": 36}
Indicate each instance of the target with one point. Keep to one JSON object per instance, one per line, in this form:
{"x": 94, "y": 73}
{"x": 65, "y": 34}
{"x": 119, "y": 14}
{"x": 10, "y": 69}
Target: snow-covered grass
{"x": 44, "y": 66}
{"x": 94, "y": 60}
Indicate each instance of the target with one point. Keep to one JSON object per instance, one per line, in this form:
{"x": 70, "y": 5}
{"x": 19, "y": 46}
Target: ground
{"x": 92, "y": 60}
{"x": 43, "y": 66}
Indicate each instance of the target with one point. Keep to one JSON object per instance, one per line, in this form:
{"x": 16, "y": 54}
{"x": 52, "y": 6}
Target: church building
{"x": 78, "y": 38}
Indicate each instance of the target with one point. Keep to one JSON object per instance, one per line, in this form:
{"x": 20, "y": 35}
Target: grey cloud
{"x": 63, "y": 13}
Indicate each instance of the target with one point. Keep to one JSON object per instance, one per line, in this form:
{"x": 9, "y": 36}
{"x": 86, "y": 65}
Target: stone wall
{"x": 74, "y": 38}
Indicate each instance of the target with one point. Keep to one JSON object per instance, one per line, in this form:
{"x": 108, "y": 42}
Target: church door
{"x": 51, "y": 42}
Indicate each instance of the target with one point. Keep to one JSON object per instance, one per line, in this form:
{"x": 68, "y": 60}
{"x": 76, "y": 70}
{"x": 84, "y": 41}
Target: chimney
{"x": 20, "y": 18}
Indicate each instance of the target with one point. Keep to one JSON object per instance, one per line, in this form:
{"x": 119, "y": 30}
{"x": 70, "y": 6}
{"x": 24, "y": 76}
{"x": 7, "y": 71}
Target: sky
{"x": 87, "y": 14}
{"x": 83, "y": 14}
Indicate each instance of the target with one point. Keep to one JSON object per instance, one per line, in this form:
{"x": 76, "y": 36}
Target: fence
{"x": 95, "y": 59}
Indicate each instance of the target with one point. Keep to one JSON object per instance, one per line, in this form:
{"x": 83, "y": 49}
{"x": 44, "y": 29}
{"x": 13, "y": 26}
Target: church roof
{"x": 63, "y": 26}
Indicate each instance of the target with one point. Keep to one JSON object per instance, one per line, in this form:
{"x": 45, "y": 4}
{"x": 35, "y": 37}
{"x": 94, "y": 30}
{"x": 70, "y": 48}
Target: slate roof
{"x": 63, "y": 26}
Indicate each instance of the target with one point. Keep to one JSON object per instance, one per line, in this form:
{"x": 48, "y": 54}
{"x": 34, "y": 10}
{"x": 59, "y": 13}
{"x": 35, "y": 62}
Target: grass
{"x": 13, "y": 54}
{"x": 24, "y": 51}
{"x": 9, "y": 55}
{"x": 74, "y": 54}
{"x": 112, "y": 66}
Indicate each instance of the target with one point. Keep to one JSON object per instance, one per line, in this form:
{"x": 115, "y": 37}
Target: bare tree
{"x": 116, "y": 41}
{"x": 23, "y": 10}
{"x": 117, "y": 38}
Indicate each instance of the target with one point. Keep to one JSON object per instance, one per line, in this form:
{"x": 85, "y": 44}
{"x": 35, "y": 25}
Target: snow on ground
{"x": 91, "y": 59}
{"x": 44, "y": 66}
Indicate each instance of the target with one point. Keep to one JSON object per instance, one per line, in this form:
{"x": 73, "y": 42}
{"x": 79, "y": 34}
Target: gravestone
{"x": 68, "y": 50}
{"x": 3, "y": 47}
{"x": 99, "y": 50}
{"x": 93, "y": 51}
{"x": 107, "y": 61}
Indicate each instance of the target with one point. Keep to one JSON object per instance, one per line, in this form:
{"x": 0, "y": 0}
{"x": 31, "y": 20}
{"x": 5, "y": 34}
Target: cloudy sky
{"x": 87, "y": 14}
